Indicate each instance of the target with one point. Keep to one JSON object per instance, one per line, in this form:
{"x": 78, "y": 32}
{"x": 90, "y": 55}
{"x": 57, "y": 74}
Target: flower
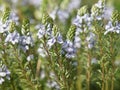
{"x": 42, "y": 52}
{"x": 53, "y": 84}
{"x": 59, "y": 38}
{"x": 112, "y": 28}
{"x": 41, "y": 31}
{"x": 30, "y": 57}
{"x": 108, "y": 12}
{"x": 4, "y": 73}
{"x": 77, "y": 42}
{"x": 25, "y": 42}
{"x": 74, "y": 4}
{"x": 94, "y": 61}
{"x": 99, "y": 4}
{"x": 54, "y": 39}
{"x": 69, "y": 49}
{"x": 1, "y": 80}
{"x": 98, "y": 10}
{"x": 4, "y": 26}
{"x": 90, "y": 40}
{"x": 13, "y": 37}
{"x": 51, "y": 41}
{"x": 14, "y": 18}
{"x": 83, "y": 21}
{"x": 63, "y": 15}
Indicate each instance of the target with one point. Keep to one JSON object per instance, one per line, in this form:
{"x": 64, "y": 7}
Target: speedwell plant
{"x": 40, "y": 57}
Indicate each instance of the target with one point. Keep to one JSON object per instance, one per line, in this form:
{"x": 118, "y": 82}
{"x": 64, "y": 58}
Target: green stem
{"x": 112, "y": 83}
{"x": 106, "y": 84}
{"x": 38, "y": 68}
{"x": 88, "y": 71}
{"x": 106, "y": 80}
{"x": 22, "y": 67}
{"x": 103, "y": 76}
{"x": 102, "y": 62}
{"x": 13, "y": 85}
{"x": 112, "y": 59}
{"x": 78, "y": 83}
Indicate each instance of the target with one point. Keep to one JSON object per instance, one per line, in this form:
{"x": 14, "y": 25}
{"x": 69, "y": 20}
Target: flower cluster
{"x": 98, "y": 10}
{"x": 46, "y": 55}
{"x": 69, "y": 49}
{"x": 112, "y": 28}
{"x": 4, "y": 73}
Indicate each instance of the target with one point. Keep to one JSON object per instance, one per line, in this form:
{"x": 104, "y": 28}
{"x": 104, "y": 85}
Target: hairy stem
{"x": 88, "y": 71}
{"x": 112, "y": 59}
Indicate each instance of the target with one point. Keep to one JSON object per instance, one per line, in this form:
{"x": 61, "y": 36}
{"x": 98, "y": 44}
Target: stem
{"x": 51, "y": 62}
{"x": 4, "y": 50}
{"x": 78, "y": 83}
{"x": 112, "y": 83}
{"x": 88, "y": 71}
{"x": 102, "y": 62}
{"x": 22, "y": 67}
{"x": 106, "y": 86}
{"x": 103, "y": 76}
{"x": 13, "y": 85}
{"x": 38, "y": 72}
{"x": 5, "y": 58}
{"x": 38, "y": 68}
{"x": 112, "y": 59}
{"x": 30, "y": 65}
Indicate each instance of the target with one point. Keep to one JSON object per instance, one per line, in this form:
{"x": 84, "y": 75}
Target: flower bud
{"x": 46, "y": 19}
{"x": 12, "y": 27}
{"x": 115, "y": 16}
{"x": 6, "y": 15}
{"x": 71, "y": 33}
{"x": 25, "y": 27}
{"x": 83, "y": 10}
{"x": 55, "y": 30}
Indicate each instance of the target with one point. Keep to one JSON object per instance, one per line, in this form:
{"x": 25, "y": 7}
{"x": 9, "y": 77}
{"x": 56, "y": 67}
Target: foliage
{"x": 51, "y": 50}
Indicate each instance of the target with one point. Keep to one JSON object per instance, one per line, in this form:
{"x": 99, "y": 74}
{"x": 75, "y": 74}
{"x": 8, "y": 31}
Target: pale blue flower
{"x": 77, "y": 42}
{"x": 26, "y": 42}
{"x": 13, "y": 37}
{"x": 112, "y": 28}
{"x": 108, "y": 12}
{"x": 53, "y": 13}
{"x": 78, "y": 21}
{"x": 69, "y": 49}
{"x": 1, "y": 80}
{"x": 4, "y": 26}
{"x": 54, "y": 39}
{"x": 41, "y": 31}
{"x": 53, "y": 84}
{"x": 41, "y": 51}
{"x": 4, "y": 73}
{"x": 98, "y": 14}
{"x": 49, "y": 29}
{"x": 59, "y": 38}
{"x": 90, "y": 40}
{"x": 51, "y": 41}
{"x": 14, "y": 18}
{"x": 30, "y": 57}
{"x": 63, "y": 15}
{"x": 70, "y": 55}
{"x": 94, "y": 61}
{"x": 74, "y": 4}
{"x": 100, "y": 4}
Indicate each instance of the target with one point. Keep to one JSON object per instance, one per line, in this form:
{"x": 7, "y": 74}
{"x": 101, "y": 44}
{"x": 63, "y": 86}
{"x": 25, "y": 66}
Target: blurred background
{"x": 31, "y": 8}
